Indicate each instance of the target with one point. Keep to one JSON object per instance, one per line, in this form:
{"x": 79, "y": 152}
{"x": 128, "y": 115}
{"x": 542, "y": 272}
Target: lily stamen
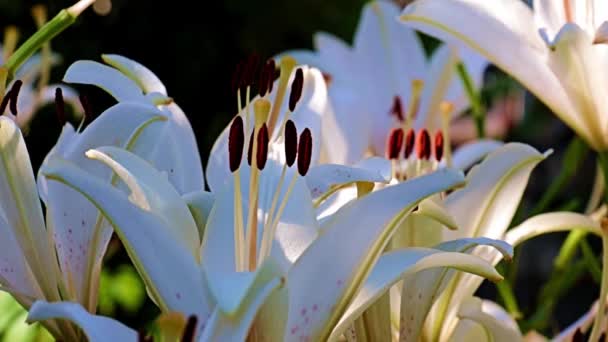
{"x": 414, "y": 104}
{"x": 287, "y": 65}
{"x": 190, "y": 329}
{"x": 446, "y": 108}
{"x": 236, "y": 142}
{"x": 11, "y": 37}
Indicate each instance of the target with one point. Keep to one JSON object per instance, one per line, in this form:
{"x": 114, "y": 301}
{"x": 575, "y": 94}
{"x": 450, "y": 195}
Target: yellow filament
{"x": 287, "y": 65}
{"x": 275, "y": 222}
{"x": 414, "y": 104}
{"x": 3, "y": 78}
{"x": 247, "y": 115}
{"x": 267, "y": 234}
{"x": 11, "y": 36}
{"x": 239, "y": 239}
{"x": 40, "y": 17}
{"x": 568, "y": 11}
{"x": 446, "y": 109}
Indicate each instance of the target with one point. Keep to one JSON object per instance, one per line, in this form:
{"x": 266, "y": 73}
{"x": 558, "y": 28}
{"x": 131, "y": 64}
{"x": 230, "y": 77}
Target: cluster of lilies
{"x": 334, "y": 207}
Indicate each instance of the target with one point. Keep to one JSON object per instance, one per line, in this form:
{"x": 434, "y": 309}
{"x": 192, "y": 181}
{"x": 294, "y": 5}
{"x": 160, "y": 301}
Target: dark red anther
{"x": 296, "y": 89}
{"x": 602, "y": 337}
{"x": 327, "y": 77}
{"x": 304, "y": 152}
{"x": 86, "y": 106}
{"x": 190, "y": 329}
{"x": 291, "y": 142}
{"x": 262, "y": 152}
{"x": 271, "y": 74}
{"x": 410, "y": 140}
{"x": 250, "y": 148}
{"x": 143, "y": 337}
{"x": 423, "y": 145}
{"x": 263, "y": 83}
{"x": 236, "y": 142}
{"x": 5, "y": 100}
{"x": 251, "y": 69}
{"x": 59, "y": 106}
{"x": 236, "y": 77}
{"x": 394, "y": 144}
{"x": 578, "y": 336}
{"x": 15, "y": 96}
{"x": 397, "y": 109}
{"x": 439, "y": 142}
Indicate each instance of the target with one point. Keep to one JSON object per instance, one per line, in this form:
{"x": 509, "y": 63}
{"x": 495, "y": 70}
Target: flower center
{"x": 248, "y": 255}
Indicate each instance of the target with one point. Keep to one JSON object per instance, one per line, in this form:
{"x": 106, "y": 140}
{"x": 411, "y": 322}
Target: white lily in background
{"x": 554, "y": 49}
{"x": 384, "y": 81}
{"x": 205, "y": 277}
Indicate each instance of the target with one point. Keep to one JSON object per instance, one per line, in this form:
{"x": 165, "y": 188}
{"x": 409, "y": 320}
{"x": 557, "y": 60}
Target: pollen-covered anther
{"x": 296, "y": 89}
{"x": 190, "y": 329}
{"x": 578, "y": 336}
{"x": 261, "y": 154}
{"x": 304, "y": 152}
{"x": 236, "y": 141}
{"x": 410, "y": 140}
{"x": 439, "y": 145}
{"x": 291, "y": 143}
{"x": 423, "y": 145}
{"x": 60, "y": 106}
{"x": 397, "y": 109}
{"x": 14, "y": 94}
{"x": 394, "y": 143}
{"x": 5, "y": 100}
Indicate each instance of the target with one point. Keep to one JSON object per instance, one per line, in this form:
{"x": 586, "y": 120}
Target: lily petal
{"x": 496, "y": 329}
{"x": 549, "y": 223}
{"x": 200, "y": 204}
{"x": 512, "y": 23}
{"x": 170, "y": 272}
{"x": 97, "y": 328}
{"x": 109, "y": 79}
{"x": 397, "y": 265}
{"x": 469, "y": 154}
{"x": 368, "y": 225}
{"x": 21, "y": 207}
{"x": 140, "y": 74}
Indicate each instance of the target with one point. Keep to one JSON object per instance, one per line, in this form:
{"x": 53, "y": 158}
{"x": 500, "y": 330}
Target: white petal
{"x": 496, "y": 329}
{"x": 345, "y": 253}
{"x": 109, "y": 79}
{"x": 141, "y": 75}
{"x": 200, "y": 204}
{"x": 170, "y": 272}
{"x": 469, "y": 154}
{"x": 397, "y": 265}
{"x": 97, "y": 328}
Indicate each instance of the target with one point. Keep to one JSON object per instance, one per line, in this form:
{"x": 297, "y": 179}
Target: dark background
{"x": 193, "y": 46}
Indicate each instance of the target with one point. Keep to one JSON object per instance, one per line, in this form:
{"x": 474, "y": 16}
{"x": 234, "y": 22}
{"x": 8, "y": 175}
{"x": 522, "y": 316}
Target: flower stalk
{"x": 474, "y": 98}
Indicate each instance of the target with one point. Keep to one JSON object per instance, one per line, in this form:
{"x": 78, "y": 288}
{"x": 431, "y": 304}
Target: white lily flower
{"x": 61, "y": 260}
{"x": 384, "y": 81}
{"x": 554, "y": 49}
{"x": 193, "y": 264}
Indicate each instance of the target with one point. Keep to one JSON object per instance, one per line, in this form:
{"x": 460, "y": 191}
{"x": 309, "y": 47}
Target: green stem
{"x": 593, "y": 266}
{"x": 505, "y": 291}
{"x": 60, "y": 22}
{"x": 474, "y": 98}
{"x": 602, "y": 158}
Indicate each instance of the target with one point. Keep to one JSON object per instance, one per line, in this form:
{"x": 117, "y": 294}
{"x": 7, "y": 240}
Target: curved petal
{"x": 511, "y": 23}
{"x": 497, "y": 330}
{"x": 200, "y": 204}
{"x": 170, "y": 272}
{"x": 469, "y": 154}
{"x": 433, "y": 282}
{"x": 109, "y": 79}
{"x": 400, "y": 264}
{"x": 549, "y": 223}
{"x": 154, "y": 192}
{"x": 97, "y": 328}
{"x": 141, "y": 75}
{"x": 368, "y": 224}
{"x": 20, "y": 206}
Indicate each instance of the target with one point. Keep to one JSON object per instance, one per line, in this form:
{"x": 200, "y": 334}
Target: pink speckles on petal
{"x": 303, "y": 311}
{"x": 178, "y": 295}
{"x": 315, "y": 307}
{"x": 294, "y": 330}
{"x": 339, "y": 282}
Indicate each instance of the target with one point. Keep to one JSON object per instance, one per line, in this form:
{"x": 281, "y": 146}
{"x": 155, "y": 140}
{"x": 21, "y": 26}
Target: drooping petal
{"x": 158, "y": 195}
{"x": 400, "y": 264}
{"x": 20, "y": 206}
{"x": 339, "y": 268}
{"x": 494, "y": 188}
{"x": 422, "y": 290}
{"x": 80, "y": 235}
{"x": 137, "y": 72}
{"x": 498, "y": 331}
{"x": 109, "y": 79}
{"x": 469, "y": 154}
{"x": 510, "y": 22}
{"x": 200, "y": 204}
{"x": 324, "y": 179}
{"x": 97, "y": 328}
{"x": 170, "y": 272}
